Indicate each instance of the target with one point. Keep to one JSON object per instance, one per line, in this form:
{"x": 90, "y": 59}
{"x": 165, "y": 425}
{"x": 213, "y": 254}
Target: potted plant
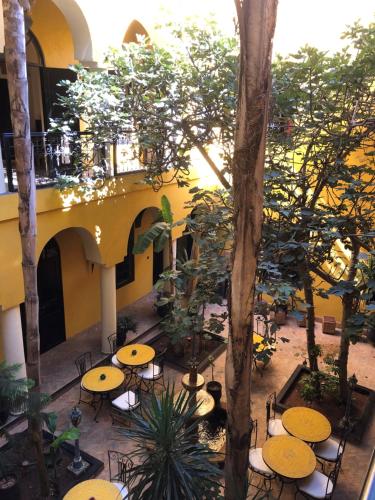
{"x": 214, "y": 387}
{"x": 10, "y": 388}
{"x": 167, "y": 452}
{"x": 124, "y": 325}
{"x": 9, "y": 486}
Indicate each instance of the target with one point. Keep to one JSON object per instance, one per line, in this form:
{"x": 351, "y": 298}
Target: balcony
{"x": 69, "y": 158}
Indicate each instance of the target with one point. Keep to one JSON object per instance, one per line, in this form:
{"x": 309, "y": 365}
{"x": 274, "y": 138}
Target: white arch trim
{"x": 83, "y": 50}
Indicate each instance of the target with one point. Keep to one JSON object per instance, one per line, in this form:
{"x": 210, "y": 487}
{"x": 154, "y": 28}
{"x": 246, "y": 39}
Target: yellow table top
{"x": 144, "y": 354}
{"x": 198, "y": 384}
{"x": 306, "y": 424}
{"x": 289, "y": 456}
{"x": 93, "y": 488}
{"x": 113, "y": 379}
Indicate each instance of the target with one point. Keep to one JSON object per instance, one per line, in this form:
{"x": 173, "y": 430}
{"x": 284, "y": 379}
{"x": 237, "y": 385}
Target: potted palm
{"x": 171, "y": 463}
{"x": 125, "y": 324}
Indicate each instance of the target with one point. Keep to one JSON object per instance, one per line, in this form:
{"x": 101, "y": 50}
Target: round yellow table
{"x": 94, "y": 488}
{"x": 306, "y": 424}
{"x": 289, "y": 457}
{"x": 192, "y": 386}
{"x": 135, "y": 354}
{"x": 103, "y": 379}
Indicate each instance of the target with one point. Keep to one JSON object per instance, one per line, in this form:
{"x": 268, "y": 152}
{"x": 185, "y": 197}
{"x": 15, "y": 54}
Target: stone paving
{"x": 97, "y": 438}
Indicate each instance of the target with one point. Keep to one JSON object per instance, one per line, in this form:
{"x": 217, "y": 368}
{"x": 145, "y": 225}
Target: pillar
{"x": 3, "y": 188}
{"x": 108, "y": 305}
{"x": 174, "y": 253}
{"x": 12, "y": 339}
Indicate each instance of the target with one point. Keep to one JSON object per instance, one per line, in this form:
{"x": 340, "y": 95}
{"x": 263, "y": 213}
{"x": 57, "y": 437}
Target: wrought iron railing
{"x": 57, "y": 155}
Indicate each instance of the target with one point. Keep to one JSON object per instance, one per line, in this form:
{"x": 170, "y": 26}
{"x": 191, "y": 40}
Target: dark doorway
{"x": 158, "y": 266}
{"x": 184, "y": 246}
{"x": 51, "y": 299}
{"x": 5, "y": 122}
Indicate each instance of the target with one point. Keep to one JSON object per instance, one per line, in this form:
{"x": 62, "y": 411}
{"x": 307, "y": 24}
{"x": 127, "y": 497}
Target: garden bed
{"x": 361, "y": 406}
{"x": 23, "y": 456}
{"x": 213, "y": 346}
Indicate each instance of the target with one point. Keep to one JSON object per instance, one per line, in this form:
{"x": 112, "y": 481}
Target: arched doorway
{"x": 135, "y": 30}
{"x": 51, "y": 299}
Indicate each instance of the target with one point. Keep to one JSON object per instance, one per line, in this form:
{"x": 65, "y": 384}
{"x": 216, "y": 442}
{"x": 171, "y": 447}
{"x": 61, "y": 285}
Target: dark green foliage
{"x": 164, "y": 100}
{"x": 172, "y": 464}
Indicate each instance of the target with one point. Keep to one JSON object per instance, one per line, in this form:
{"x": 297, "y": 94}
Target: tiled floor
{"x": 97, "y": 438}
{"x": 57, "y": 365}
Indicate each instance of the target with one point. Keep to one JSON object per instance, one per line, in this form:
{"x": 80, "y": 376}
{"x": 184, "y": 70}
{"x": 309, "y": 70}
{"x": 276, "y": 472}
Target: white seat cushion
{"x": 116, "y": 362}
{"x": 327, "y": 450}
{"x": 315, "y": 485}
{"x": 151, "y": 372}
{"x": 275, "y": 428}
{"x": 257, "y": 464}
{"x": 122, "y": 489}
{"x": 127, "y": 401}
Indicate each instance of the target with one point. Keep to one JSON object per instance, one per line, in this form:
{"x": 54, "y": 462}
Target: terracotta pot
{"x": 215, "y": 389}
{"x": 9, "y": 488}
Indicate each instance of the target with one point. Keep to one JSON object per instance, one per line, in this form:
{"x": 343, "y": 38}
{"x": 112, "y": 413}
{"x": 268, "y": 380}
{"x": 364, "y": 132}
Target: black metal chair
{"x": 274, "y": 425}
{"x": 331, "y": 450}
{"x": 126, "y": 403}
{"x": 153, "y": 374}
{"x": 120, "y": 466}
{"x": 112, "y": 340}
{"x": 84, "y": 364}
{"x": 319, "y": 485}
{"x": 257, "y": 465}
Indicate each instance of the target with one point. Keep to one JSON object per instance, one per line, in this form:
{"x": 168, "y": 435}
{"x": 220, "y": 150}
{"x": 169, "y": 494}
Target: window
{"x": 125, "y": 269}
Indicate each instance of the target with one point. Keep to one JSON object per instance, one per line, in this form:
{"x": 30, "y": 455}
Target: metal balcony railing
{"x": 57, "y": 155}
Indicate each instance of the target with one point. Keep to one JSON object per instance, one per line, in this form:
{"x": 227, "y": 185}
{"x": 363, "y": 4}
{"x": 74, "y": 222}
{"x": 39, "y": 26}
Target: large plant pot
{"x": 4, "y": 411}
{"x": 215, "y": 389}
{"x": 121, "y": 337}
{"x": 9, "y": 488}
{"x": 178, "y": 349}
{"x": 164, "y": 310}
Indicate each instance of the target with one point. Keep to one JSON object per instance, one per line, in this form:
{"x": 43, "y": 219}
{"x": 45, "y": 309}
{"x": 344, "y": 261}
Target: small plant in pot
{"x": 125, "y": 324}
{"x": 9, "y": 486}
{"x": 214, "y": 387}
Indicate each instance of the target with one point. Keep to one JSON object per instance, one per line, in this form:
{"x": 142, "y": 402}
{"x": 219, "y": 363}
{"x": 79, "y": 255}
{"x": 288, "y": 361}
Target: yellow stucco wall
{"x": 53, "y": 33}
{"x": 91, "y": 230}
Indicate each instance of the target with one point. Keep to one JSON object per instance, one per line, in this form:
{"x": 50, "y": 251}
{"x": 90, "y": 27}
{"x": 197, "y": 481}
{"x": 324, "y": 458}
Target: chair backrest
{"x": 270, "y": 406}
{"x": 112, "y": 340}
{"x": 119, "y": 466}
{"x": 253, "y": 432}
{"x": 333, "y": 476}
{"x": 160, "y": 359}
{"x": 83, "y": 363}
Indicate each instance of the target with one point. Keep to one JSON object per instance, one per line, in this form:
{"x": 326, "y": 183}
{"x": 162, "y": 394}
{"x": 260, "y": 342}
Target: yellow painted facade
{"x": 91, "y": 229}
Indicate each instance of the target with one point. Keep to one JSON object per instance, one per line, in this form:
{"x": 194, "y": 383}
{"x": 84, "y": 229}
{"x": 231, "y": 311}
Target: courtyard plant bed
{"x": 211, "y": 346}
{"x": 21, "y": 455}
{"x": 361, "y": 406}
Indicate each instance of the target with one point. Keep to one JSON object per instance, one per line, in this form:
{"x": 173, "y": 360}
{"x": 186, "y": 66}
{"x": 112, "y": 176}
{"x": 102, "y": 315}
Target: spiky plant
{"x": 172, "y": 464}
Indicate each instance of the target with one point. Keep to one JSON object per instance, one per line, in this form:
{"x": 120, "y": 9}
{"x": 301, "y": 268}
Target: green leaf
{"x": 166, "y": 210}
{"x": 148, "y": 237}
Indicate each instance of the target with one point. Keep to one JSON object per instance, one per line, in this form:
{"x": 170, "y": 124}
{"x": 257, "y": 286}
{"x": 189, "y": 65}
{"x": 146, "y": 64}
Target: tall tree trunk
{"x": 256, "y": 20}
{"x": 310, "y": 316}
{"x": 348, "y": 309}
{"x": 15, "y": 58}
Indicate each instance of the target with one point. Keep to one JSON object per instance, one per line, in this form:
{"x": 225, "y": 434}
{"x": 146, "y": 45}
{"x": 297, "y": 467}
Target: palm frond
{"x": 148, "y": 237}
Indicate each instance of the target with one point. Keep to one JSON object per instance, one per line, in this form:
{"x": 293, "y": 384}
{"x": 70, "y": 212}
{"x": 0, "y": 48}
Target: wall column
{"x": 108, "y": 305}
{"x": 174, "y": 253}
{"x": 11, "y": 333}
{"x": 3, "y": 188}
